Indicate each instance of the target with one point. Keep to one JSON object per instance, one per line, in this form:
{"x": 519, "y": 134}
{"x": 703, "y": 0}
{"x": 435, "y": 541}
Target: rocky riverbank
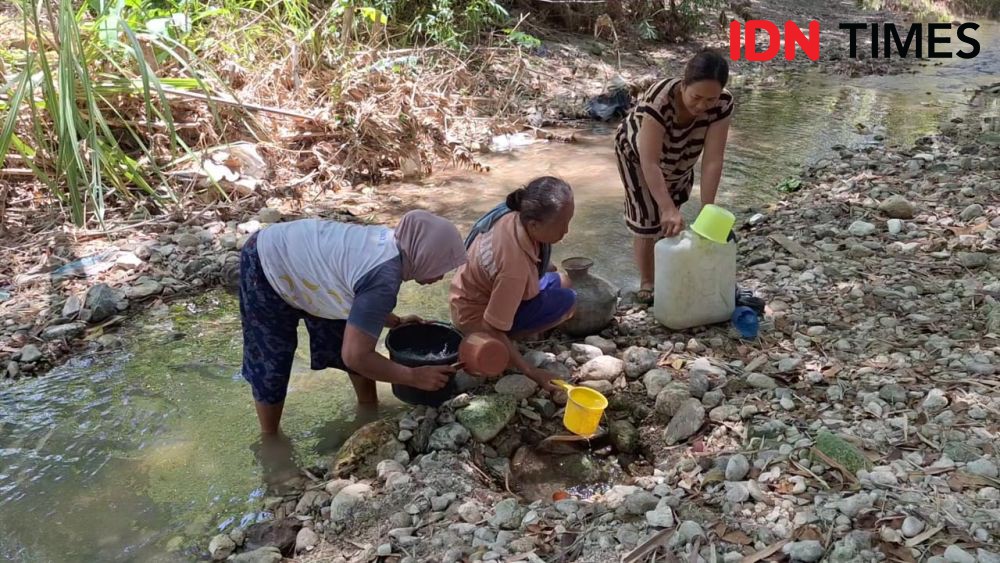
{"x": 861, "y": 425}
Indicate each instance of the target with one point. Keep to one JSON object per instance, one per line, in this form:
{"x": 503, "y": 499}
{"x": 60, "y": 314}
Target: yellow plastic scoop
{"x": 584, "y": 408}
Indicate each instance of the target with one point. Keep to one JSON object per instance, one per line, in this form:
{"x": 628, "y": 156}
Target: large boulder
{"x": 486, "y": 416}
{"x": 370, "y": 444}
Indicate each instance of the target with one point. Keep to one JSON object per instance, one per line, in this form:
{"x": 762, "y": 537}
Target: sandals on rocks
{"x": 644, "y": 296}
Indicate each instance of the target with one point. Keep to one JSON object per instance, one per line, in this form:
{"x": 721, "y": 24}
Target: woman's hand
{"x": 671, "y": 221}
{"x": 393, "y": 321}
{"x": 431, "y": 378}
{"x": 543, "y": 378}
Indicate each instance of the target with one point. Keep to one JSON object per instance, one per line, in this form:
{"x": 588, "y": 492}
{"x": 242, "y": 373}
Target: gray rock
{"x": 670, "y": 399}
{"x": 605, "y": 368}
{"x": 507, "y": 514}
{"x": 544, "y": 407}
{"x": 221, "y": 547}
{"x": 713, "y": 399}
{"x": 972, "y": 260}
{"x": 805, "y": 551}
{"x": 13, "y": 370}
{"x": 638, "y": 361}
{"x": 442, "y": 502}
{"x": 101, "y": 302}
{"x": 737, "y": 468}
{"x": 853, "y": 505}
{"x": 698, "y": 384}
{"x": 894, "y": 226}
{"x": 935, "y": 400}
{"x": 984, "y": 468}
{"x": 269, "y": 215}
{"x": 788, "y": 365}
{"x": 690, "y": 530}
{"x": 761, "y": 381}
{"x": 971, "y": 212}
{"x": 641, "y": 502}
{"x": 471, "y": 512}
{"x": 30, "y": 354}
{"x": 955, "y": 554}
{"x": 67, "y": 331}
{"x": 143, "y": 288}
{"x": 893, "y": 393}
{"x": 624, "y": 436}
{"x": 583, "y": 353}
{"x": 688, "y": 419}
{"x": 987, "y": 556}
{"x": 187, "y": 240}
{"x": 897, "y": 207}
{"x": 268, "y": 554}
{"x": 725, "y": 412}
{"x": 238, "y": 535}
{"x": 487, "y": 415}
{"x": 861, "y": 229}
{"x": 347, "y": 500}
{"x": 616, "y": 496}
{"x": 605, "y": 345}
{"x": 72, "y": 307}
{"x": 516, "y": 385}
{"x": 335, "y": 486}
{"x": 737, "y": 492}
{"x": 387, "y": 467}
{"x": 655, "y": 380}
{"x": 306, "y": 540}
{"x": 662, "y": 517}
{"x": 912, "y": 526}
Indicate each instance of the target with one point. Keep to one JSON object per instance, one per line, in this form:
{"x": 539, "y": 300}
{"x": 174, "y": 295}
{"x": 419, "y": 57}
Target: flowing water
{"x": 134, "y": 455}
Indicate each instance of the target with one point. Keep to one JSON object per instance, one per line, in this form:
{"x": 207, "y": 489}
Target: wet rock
{"x": 277, "y": 533}
{"x": 606, "y": 346}
{"x": 655, "y": 380}
{"x": 507, "y": 515}
{"x": 983, "y": 467}
{"x": 737, "y": 468}
{"x": 583, "y": 353}
{"x": 605, "y": 368}
{"x": 361, "y": 453}
{"x": 805, "y": 551}
{"x": 955, "y": 554}
{"x": 861, "y": 229}
{"x": 221, "y": 547}
{"x": 449, "y": 437}
{"x": 306, "y": 540}
{"x": 641, "y": 502}
{"x": 30, "y": 354}
{"x": 624, "y": 436}
{"x": 971, "y": 212}
{"x": 639, "y": 360}
{"x": 761, "y": 381}
{"x": 912, "y": 526}
{"x": 935, "y": 401}
{"x": 670, "y": 399}
{"x": 267, "y": 554}
{"x": 688, "y": 419}
{"x": 516, "y": 385}
{"x": 343, "y": 505}
{"x": 897, "y": 207}
{"x": 486, "y": 416}
{"x": 64, "y": 331}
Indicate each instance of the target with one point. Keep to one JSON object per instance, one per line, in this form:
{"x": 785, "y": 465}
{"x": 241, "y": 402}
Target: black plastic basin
{"x": 427, "y": 344}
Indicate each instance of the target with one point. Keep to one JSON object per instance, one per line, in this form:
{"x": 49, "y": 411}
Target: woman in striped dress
{"x": 674, "y": 123}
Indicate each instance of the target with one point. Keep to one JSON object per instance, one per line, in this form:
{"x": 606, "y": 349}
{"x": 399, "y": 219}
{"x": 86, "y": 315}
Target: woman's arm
{"x": 650, "y": 148}
{"x": 712, "y": 159}
{"x": 359, "y": 355}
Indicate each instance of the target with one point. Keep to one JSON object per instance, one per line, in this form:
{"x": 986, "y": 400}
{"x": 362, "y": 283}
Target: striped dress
{"x": 682, "y": 146}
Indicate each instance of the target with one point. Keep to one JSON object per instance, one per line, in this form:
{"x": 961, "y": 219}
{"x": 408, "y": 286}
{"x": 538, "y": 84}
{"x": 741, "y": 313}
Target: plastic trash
{"x": 745, "y": 322}
{"x": 609, "y": 106}
{"x": 87, "y": 266}
{"x": 746, "y": 298}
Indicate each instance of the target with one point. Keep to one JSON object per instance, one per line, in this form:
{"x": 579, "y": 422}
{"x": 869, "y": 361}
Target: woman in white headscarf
{"x": 343, "y": 281}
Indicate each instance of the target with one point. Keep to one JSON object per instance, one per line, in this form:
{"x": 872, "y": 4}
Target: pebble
{"x": 661, "y": 517}
{"x": 606, "y": 346}
{"x": 897, "y": 207}
{"x": 955, "y": 554}
{"x": 971, "y": 212}
{"x": 806, "y": 551}
{"x": 655, "y": 380}
{"x": 861, "y": 229}
{"x": 737, "y": 492}
{"x": 984, "y": 468}
{"x": 737, "y": 468}
{"x": 761, "y": 381}
{"x": 688, "y": 419}
{"x": 641, "y": 502}
{"x": 30, "y": 354}
{"x": 517, "y": 385}
{"x": 935, "y": 400}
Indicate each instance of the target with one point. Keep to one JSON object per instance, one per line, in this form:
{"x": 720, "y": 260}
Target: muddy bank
{"x": 860, "y": 425}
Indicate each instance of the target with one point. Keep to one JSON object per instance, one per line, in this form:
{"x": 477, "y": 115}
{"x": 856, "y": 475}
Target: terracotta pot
{"x": 483, "y": 355}
{"x": 596, "y": 299}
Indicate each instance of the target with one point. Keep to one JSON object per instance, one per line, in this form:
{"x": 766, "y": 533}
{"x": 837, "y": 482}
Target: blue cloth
{"x": 270, "y": 324}
{"x": 552, "y": 303}
{"x": 485, "y": 223}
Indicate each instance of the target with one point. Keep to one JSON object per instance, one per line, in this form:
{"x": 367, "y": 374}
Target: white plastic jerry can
{"x": 695, "y": 281}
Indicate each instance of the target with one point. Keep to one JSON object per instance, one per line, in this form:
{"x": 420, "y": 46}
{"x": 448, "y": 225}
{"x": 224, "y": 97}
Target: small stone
{"x": 269, "y": 215}
{"x": 897, "y": 207}
{"x": 487, "y": 415}
{"x": 662, "y": 517}
{"x": 972, "y": 260}
{"x": 347, "y": 500}
{"x": 624, "y": 436}
{"x": 641, "y": 502}
{"x": 639, "y": 360}
{"x": 606, "y": 346}
{"x": 306, "y": 540}
{"x": 893, "y": 393}
{"x": 449, "y": 437}
{"x": 955, "y": 554}
{"x": 971, "y": 212}
{"x": 442, "y": 502}
{"x": 221, "y": 547}
{"x": 248, "y": 228}
{"x": 64, "y": 331}
{"x": 72, "y": 307}
{"x": 143, "y": 288}
{"x": 400, "y": 520}
{"x": 694, "y": 346}
{"x": 689, "y": 418}
{"x": 30, "y": 354}
{"x": 761, "y": 381}
{"x": 187, "y": 240}
{"x": 984, "y": 468}
{"x": 384, "y": 550}
{"x": 690, "y": 530}
{"x": 894, "y": 226}
{"x": 912, "y": 526}
{"x": 698, "y": 384}
{"x": 737, "y": 468}
{"x": 388, "y": 467}
{"x": 789, "y": 365}
{"x": 583, "y": 353}
{"x": 713, "y": 399}
{"x": 737, "y": 492}
{"x": 935, "y": 401}
{"x": 655, "y": 380}
{"x": 605, "y": 368}
{"x": 670, "y": 399}
{"x": 128, "y": 261}
{"x": 861, "y": 229}
{"x": 507, "y": 515}
{"x": 516, "y": 385}
{"x": 335, "y": 486}
{"x": 805, "y": 551}
{"x": 471, "y": 512}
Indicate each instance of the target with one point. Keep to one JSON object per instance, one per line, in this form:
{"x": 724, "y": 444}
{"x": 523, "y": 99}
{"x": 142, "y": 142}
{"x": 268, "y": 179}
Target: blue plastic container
{"x": 745, "y": 321}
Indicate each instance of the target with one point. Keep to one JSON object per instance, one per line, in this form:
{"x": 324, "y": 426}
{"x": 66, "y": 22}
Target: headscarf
{"x": 430, "y": 245}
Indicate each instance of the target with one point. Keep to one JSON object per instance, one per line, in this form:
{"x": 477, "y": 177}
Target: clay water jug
{"x": 596, "y": 299}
